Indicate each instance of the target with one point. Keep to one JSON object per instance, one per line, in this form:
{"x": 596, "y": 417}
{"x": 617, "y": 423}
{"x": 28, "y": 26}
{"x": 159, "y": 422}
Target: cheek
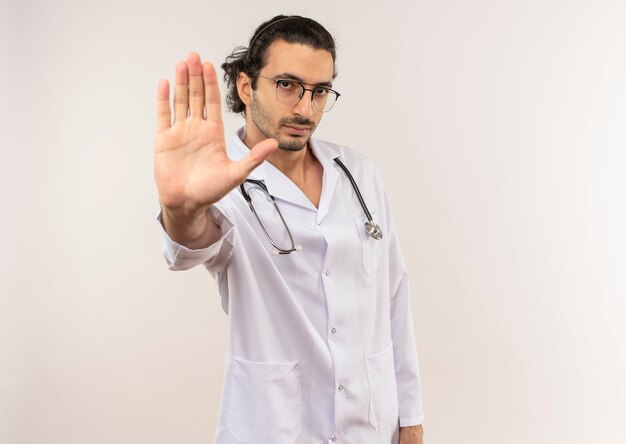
{"x": 316, "y": 119}
{"x": 268, "y": 114}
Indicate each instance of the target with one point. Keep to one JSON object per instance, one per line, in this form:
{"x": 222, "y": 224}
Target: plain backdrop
{"x": 499, "y": 127}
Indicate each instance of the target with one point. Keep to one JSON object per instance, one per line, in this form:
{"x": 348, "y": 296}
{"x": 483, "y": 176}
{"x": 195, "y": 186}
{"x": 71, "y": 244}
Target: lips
{"x": 299, "y": 130}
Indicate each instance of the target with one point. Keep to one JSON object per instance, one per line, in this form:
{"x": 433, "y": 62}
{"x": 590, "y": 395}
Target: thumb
{"x": 255, "y": 157}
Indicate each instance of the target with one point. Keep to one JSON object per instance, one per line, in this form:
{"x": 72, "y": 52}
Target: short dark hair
{"x": 292, "y": 29}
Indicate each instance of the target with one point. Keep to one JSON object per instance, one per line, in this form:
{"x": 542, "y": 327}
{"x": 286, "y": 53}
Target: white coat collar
{"x": 280, "y": 186}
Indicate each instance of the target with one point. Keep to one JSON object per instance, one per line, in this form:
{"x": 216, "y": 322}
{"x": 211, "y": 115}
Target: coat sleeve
{"x": 410, "y": 406}
{"x": 215, "y": 257}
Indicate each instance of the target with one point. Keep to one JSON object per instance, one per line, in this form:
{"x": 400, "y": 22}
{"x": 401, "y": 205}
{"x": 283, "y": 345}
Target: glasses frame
{"x": 304, "y": 90}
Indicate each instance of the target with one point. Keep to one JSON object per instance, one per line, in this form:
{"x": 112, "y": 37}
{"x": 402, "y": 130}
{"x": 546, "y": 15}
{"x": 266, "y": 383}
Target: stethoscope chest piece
{"x": 373, "y": 230}
{"x": 371, "y": 227}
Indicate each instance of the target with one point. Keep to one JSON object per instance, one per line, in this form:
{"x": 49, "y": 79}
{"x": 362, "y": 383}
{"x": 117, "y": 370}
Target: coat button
{"x": 340, "y": 387}
{"x": 333, "y": 439}
{"x": 334, "y": 330}
{"x": 327, "y": 273}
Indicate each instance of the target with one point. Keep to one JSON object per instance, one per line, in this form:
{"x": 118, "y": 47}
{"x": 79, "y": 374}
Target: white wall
{"x": 499, "y": 127}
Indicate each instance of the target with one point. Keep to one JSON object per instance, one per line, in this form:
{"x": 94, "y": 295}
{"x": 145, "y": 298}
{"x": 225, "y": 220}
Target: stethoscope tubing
{"x": 355, "y": 187}
{"x": 370, "y": 226}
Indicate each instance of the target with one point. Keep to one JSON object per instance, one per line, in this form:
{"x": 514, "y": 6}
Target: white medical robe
{"x": 321, "y": 346}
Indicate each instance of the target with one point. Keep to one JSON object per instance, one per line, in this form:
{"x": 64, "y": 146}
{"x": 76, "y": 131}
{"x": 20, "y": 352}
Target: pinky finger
{"x": 164, "y": 113}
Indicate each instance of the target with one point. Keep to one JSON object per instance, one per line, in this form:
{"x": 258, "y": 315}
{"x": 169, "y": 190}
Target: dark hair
{"x": 292, "y": 29}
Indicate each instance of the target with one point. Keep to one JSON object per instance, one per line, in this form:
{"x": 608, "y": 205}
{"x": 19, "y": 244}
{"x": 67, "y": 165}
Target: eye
{"x": 286, "y": 85}
{"x": 320, "y": 92}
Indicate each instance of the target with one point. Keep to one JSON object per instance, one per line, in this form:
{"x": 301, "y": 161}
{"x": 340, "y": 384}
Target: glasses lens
{"x": 324, "y": 102}
{"x": 289, "y": 93}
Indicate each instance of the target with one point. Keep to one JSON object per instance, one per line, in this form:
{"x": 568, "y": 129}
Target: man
{"x": 321, "y": 337}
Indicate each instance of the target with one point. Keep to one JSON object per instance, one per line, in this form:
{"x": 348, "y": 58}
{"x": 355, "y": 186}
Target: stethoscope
{"x": 371, "y": 228}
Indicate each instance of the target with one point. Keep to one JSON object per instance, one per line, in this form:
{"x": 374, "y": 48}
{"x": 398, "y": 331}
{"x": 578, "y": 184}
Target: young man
{"x": 321, "y": 336}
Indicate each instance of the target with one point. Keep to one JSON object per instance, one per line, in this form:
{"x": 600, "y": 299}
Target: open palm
{"x": 191, "y": 168}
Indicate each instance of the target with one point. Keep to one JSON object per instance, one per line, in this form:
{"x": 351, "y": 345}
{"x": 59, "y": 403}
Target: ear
{"x": 244, "y": 88}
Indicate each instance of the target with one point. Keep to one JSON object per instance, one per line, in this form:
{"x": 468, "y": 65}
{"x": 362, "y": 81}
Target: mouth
{"x": 297, "y": 130}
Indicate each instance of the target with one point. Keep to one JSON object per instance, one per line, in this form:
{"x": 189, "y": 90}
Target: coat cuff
{"x": 411, "y": 421}
{"x": 215, "y": 256}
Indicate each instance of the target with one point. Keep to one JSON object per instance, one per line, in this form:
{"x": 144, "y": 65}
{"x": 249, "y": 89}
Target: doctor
{"x": 321, "y": 336}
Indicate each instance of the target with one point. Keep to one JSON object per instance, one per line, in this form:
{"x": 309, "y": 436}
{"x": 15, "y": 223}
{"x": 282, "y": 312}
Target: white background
{"x": 498, "y": 126}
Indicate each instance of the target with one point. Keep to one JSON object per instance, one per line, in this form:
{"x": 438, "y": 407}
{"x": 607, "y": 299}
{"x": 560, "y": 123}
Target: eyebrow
{"x": 288, "y": 76}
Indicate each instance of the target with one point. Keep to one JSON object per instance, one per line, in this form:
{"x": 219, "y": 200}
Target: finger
{"x": 181, "y": 92}
{"x": 254, "y": 158}
{"x": 196, "y": 87}
{"x": 164, "y": 113}
{"x": 212, "y": 99}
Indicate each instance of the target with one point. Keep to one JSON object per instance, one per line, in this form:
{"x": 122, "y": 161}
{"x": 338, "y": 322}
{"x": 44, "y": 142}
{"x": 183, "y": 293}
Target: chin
{"x": 292, "y": 145}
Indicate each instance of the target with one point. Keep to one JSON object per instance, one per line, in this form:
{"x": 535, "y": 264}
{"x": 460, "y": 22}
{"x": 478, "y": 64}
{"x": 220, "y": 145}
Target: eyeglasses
{"x": 289, "y": 92}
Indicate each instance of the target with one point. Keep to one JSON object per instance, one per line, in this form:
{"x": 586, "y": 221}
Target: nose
{"x": 304, "y": 106}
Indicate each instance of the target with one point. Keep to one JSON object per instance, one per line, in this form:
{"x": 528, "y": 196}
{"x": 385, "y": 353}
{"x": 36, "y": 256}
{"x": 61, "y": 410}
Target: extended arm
{"x": 191, "y": 168}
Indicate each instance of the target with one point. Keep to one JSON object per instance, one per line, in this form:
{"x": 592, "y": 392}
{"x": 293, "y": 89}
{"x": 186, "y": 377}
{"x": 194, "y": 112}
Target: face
{"x": 290, "y": 125}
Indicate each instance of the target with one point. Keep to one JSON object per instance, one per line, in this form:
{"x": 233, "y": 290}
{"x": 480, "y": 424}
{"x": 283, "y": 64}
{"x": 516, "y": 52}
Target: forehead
{"x": 307, "y": 63}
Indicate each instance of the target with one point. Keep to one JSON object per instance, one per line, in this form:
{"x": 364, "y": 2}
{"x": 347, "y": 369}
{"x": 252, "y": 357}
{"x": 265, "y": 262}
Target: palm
{"x": 190, "y": 163}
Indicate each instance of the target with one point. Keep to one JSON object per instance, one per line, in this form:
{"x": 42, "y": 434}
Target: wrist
{"x": 195, "y": 228}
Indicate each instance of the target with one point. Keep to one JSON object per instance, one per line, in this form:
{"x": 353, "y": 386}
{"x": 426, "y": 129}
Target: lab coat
{"x": 321, "y": 343}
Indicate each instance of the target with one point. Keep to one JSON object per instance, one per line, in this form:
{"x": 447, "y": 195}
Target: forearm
{"x": 405, "y": 358}
{"x": 195, "y": 229}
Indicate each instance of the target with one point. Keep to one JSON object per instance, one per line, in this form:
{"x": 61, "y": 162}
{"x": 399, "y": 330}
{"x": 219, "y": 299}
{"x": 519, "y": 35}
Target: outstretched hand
{"x": 191, "y": 167}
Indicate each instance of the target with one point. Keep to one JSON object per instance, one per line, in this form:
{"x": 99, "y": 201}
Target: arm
{"x": 191, "y": 168}
{"x": 215, "y": 257}
{"x": 193, "y": 229}
{"x": 405, "y": 356}
{"x": 410, "y": 407}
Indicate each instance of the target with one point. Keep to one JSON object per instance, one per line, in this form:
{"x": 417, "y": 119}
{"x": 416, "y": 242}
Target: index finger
{"x": 181, "y": 92}
{"x": 212, "y": 100}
